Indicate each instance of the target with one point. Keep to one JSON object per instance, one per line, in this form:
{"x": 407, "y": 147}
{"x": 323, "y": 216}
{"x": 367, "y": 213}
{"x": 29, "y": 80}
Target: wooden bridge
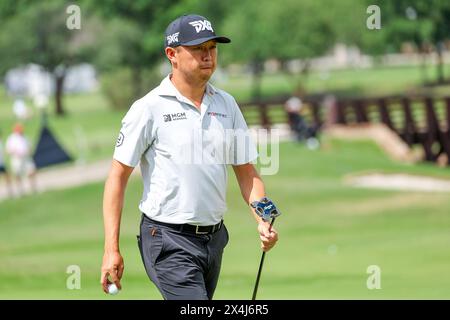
{"x": 418, "y": 120}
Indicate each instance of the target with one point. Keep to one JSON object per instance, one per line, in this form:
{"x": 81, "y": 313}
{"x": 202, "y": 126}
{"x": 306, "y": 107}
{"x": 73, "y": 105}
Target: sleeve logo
{"x": 120, "y": 140}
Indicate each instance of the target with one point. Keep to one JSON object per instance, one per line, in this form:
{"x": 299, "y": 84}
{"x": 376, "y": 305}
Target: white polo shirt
{"x": 183, "y": 152}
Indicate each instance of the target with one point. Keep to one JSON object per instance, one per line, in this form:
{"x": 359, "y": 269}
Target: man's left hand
{"x": 268, "y": 236}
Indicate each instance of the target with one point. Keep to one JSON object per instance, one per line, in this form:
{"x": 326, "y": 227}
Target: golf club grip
{"x": 271, "y": 224}
{"x": 255, "y": 290}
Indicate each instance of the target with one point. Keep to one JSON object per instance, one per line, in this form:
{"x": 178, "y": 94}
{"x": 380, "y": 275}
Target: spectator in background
{"x": 3, "y": 170}
{"x": 297, "y": 123}
{"x": 22, "y": 165}
{"x": 20, "y": 110}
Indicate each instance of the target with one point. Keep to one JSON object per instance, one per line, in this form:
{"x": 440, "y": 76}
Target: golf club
{"x": 255, "y": 290}
{"x": 267, "y": 210}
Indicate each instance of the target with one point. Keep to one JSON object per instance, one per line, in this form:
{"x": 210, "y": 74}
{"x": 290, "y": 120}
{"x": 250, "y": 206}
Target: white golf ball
{"x": 112, "y": 289}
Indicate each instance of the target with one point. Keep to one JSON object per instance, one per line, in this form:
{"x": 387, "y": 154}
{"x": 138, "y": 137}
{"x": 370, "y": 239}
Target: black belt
{"x": 189, "y": 228}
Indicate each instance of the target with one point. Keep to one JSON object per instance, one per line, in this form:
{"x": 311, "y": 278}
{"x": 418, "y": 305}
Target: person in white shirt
{"x": 20, "y": 110}
{"x": 3, "y": 169}
{"x": 22, "y": 166}
{"x": 298, "y": 124}
{"x": 183, "y": 133}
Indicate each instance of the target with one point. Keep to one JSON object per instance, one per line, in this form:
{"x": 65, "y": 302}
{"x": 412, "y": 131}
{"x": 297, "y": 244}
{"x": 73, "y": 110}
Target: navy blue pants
{"x": 183, "y": 266}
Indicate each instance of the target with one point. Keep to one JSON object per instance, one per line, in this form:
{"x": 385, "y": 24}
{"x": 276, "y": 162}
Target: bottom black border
{"x": 226, "y": 309}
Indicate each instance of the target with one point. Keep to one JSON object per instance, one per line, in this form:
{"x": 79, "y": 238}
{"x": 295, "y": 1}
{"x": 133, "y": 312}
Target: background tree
{"x": 425, "y": 23}
{"x": 131, "y": 42}
{"x": 36, "y": 32}
{"x": 46, "y": 40}
{"x": 138, "y": 31}
{"x": 294, "y": 30}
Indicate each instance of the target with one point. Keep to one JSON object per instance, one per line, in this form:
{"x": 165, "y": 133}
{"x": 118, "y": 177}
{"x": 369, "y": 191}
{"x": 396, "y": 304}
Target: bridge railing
{"x": 418, "y": 120}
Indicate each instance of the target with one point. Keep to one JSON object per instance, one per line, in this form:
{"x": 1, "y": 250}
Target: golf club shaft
{"x": 255, "y": 290}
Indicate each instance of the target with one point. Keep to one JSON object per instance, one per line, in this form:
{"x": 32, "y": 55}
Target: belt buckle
{"x": 198, "y": 232}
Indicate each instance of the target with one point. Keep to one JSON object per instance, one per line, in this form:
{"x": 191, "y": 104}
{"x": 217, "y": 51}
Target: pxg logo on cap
{"x": 191, "y": 30}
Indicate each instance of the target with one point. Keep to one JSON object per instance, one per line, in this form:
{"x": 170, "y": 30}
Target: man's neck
{"x": 192, "y": 91}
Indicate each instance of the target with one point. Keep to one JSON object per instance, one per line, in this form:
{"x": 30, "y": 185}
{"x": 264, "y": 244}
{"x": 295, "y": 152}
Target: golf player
{"x": 178, "y": 132}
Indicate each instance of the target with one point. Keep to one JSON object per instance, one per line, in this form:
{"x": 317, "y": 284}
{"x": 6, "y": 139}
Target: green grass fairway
{"x": 329, "y": 235}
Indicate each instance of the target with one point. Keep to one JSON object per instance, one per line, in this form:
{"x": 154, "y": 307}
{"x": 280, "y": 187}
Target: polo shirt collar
{"x": 166, "y": 88}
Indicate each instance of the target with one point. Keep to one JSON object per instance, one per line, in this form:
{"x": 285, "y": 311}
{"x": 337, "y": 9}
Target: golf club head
{"x": 266, "y": 209}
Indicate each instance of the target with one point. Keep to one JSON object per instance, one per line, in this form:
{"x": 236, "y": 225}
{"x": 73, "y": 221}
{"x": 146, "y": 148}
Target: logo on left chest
{"x": 217, "y": 114}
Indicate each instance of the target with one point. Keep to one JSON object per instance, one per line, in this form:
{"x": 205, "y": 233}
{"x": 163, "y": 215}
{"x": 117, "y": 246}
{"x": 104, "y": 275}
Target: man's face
{"x": 198, "y": 61}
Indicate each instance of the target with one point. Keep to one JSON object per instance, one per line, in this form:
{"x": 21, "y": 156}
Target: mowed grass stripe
{"x": 329, "y": 234}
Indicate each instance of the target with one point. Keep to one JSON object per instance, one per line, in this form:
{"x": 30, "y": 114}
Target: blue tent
{"x": 48, "y": 150}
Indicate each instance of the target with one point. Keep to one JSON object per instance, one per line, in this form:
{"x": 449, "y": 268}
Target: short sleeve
{"x": 243, "y": 149}
{"x": 135, "y": 135}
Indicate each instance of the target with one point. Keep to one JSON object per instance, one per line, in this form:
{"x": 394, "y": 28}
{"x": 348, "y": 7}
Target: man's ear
{"x": 170, "y": 54}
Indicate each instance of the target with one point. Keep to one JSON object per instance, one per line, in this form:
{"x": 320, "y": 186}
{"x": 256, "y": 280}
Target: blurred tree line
{"x": 423, "y": 23}
{"x": 124, "y": 39}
